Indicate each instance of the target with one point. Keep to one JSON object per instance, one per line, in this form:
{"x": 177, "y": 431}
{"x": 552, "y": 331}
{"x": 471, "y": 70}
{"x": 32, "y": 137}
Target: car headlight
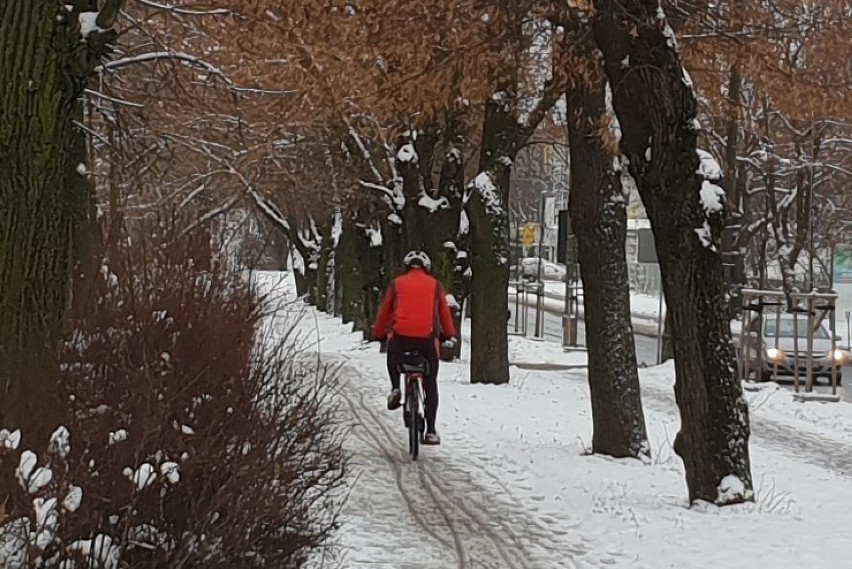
{"x": 838, "y": 356}
{"x": 774, "y": 354}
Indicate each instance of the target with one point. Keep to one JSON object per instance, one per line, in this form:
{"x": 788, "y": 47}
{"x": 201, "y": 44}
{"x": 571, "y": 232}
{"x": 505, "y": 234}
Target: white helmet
{"x": 418, "y": 258}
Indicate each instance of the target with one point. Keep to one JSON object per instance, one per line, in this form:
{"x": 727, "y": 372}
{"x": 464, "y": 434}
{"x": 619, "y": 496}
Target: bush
{"x": 187, "y": 437}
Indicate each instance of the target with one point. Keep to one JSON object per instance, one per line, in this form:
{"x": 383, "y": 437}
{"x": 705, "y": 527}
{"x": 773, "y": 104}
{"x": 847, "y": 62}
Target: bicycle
{"x": 414, "y": 367}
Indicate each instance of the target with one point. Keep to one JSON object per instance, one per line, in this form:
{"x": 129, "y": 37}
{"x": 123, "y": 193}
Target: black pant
{"x": 397, "y": 346}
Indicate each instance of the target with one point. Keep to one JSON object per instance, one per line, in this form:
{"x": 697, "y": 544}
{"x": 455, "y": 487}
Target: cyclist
{"x": 415, "y": 316}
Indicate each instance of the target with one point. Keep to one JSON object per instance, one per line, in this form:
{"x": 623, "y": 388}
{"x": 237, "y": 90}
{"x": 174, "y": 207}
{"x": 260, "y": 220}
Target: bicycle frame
{"x": 415, "y": 411}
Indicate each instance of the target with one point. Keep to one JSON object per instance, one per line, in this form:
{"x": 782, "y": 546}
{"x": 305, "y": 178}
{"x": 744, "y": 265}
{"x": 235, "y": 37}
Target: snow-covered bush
{"x": 185, "y": 439}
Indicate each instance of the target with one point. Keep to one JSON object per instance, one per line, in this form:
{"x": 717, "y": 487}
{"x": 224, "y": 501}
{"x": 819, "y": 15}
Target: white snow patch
{"x": 88, "y": 24}
{"x": 171, "y": 470}
{"x": 395, "y": 219}
{"x": 60, "y": 442}
{"x": 81, "y": 168}
{"x": 143, "y": 476}
{"x": 614, "y": 125}
{"x": 732, "y": 488}
{"x": 708, "y": 167}
{"x": 712, "y": 197}
{"x": 47, "y": 521}
{"x": 464, "y": 223}
{"x": 10, "y": 440}
{"x": 428, "y": 202}
{"x": 407, "y": 154}
{"x": 375, "y": 236}
{"x": 489, "y": 193}
{"x": 705, "y": 235}
{"x": 668, "y": 33}
{"x": 117, "y": 436}
{"x": 101, "y": 550}
{"x": 73, "y": 499}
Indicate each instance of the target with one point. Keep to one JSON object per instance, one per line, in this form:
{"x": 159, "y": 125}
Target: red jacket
{"x": 415, "y": 306}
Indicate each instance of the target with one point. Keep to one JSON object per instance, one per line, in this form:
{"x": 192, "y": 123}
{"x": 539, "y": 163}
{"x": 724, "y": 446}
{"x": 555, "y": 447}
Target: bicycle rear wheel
{"x": 413, "y": 426}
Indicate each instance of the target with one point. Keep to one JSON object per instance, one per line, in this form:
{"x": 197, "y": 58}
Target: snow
{"x": 705, "y": 236}
{"x": 464, "y": 223}
{"x": 171, "y": 471}
{"x": 143, "y": 476}
{"x": 428, "y": 202}
{"x": 513, "y": 483}
{"x": 14, "y": 538}
{"x": 101, "y": 549}
{"x": 614, "y": 125}
{"x": 712, "y": 197}
{"x": 60, "y": 442}
{"x": 117, "y": 436}
{"x": 395, "y": 219}
{"x": 668, "y": 33}
{"x": 10, "y": 440}
{"x": 375, "y": 236}
{"x": 88, "y": 24}
{"x": 731, "y": 488}
{"x": 407, "y": 154}
{"x": 73, "y": 499}
{"x": 490, "y": 195}
{"x": 47, "y": 521}
{"x": 708, "y": 167}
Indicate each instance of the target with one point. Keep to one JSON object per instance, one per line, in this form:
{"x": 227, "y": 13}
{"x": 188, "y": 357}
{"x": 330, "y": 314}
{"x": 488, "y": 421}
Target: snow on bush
{"x": 223, "y": 454}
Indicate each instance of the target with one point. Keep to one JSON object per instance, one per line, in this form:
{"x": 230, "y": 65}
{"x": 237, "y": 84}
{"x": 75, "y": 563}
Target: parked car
{"x": 528, "y": 270}
{"x": 778, "y": 350}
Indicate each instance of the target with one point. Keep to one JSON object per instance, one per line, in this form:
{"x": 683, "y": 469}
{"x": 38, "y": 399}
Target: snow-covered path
{"x": 511, "y": 486}
{"x": 454, "y": 507}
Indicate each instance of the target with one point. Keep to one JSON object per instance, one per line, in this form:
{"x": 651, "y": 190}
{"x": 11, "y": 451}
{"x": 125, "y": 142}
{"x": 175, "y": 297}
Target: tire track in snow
{"x": 446, "y": 503}
{"x": 376, "y": 444}
{"x": 470, "y": 525}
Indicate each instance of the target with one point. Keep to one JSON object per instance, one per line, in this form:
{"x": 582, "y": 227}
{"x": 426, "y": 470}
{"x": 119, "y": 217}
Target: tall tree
{"x": 598, "y": 214}
{"x": 48, "y": 52}
{"x": 656, "y": 107}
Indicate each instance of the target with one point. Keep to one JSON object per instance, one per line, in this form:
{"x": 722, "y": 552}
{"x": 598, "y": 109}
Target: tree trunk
{"x": 489, "y": 226}
{"x": 656, "y": 107}
{"x": 454, "y": 261}
{"x": 599, "y": 220}
{"x": 732, "y": 130}
{"x": 44, "y": 192}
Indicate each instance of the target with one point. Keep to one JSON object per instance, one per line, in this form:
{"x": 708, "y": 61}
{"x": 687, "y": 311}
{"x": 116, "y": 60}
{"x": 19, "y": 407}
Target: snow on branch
{"x": 270, "y": 209}
{"x": 365, "y": 154}
{"x": 164, "y": 55}
{"x": 113, "y": 99}
{"x": 184, "y": 10}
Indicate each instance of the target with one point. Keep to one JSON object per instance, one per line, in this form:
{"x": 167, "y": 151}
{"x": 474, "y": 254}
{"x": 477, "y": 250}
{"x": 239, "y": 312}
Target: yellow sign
{"x": 531, "y": 234}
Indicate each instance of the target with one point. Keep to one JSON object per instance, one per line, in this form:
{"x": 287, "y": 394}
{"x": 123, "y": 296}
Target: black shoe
{"x": 394, "y": 399}
{"x": 431, "y": 439}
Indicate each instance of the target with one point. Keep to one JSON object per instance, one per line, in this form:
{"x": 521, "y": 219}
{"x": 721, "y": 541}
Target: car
{"x": 529, "y": 270}
{"x": 778, "y": 351}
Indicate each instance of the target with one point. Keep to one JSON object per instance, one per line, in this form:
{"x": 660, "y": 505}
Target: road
{"x": 646, "y": 349}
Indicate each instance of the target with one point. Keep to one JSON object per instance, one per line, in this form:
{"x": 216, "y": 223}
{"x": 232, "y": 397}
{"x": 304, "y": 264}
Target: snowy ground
{"x": 512, "y": 488}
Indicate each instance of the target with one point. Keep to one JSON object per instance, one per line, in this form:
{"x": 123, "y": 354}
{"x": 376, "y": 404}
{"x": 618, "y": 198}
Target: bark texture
{"x": 45, "y": 194}
{"x": 489, "y": 226}
{"x": 656, "y": 107}
{"x": 599, "y": 220}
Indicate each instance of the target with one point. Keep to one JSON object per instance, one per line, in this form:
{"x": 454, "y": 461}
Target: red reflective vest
{"x": 415, "y": 306}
